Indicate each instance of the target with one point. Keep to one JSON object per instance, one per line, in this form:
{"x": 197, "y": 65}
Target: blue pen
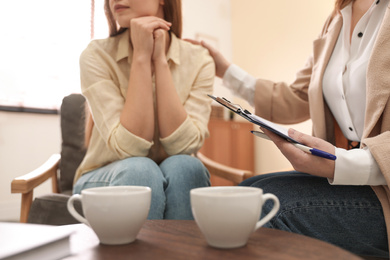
{"x": 302, "y": 147}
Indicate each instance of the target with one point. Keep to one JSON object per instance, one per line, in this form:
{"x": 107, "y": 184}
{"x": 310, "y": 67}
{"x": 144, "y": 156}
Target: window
{"x": 41, "y": 42}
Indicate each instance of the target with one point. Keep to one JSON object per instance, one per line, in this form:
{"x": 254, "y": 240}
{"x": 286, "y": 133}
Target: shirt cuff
{"x": 356, "y": 167}
{"x": 127, "y": 144}
{"x": 240, "y": 82}
{"x": 181, "y": 141}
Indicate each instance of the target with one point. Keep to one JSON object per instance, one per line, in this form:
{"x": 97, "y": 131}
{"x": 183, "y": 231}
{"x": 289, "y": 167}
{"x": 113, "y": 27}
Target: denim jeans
{"x": 171, "y": 182}
{"x": 350, "y": 217}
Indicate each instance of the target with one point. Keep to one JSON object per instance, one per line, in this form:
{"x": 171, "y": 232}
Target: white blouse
{"x": 344, "y": 88}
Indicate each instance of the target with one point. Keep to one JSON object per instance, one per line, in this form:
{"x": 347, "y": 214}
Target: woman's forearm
{"x": 171, "y": 113}
{"x": 138, "y": 112}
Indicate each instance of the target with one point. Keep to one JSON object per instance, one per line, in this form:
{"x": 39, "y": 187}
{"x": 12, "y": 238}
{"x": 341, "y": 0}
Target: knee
{"x": 286, "y": 187}
{"x": 136, "y": 171}
{"x": 279, "y": 186}
{"x": 291, "y": 190}
{"x": 185, "y": 168}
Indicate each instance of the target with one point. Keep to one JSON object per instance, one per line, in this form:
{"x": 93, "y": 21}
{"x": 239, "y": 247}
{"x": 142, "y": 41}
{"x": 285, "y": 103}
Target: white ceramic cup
{"x": 227, "y": 216}
{"x": 115, "y": 213}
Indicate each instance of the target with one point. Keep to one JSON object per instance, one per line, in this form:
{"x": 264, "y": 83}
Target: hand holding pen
{"x": 306, "y": 149}
{"x": 301, "y": 160}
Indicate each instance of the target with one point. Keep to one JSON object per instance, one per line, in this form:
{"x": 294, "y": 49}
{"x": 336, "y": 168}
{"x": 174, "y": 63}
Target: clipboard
{"x": 237, "y": 109}
{"x": 277, "y": 129}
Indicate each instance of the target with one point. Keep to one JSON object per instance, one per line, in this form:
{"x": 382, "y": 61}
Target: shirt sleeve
{"x": 240, "y": 82}
{"x": 356, "y": 167}
{"x": 189, "y": 137}
{"x": 106, "y": 103}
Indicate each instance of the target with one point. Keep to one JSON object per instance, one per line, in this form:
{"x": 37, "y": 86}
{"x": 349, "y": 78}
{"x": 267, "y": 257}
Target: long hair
{"x": 113, "y": 28}
{"x": 172, "y": 13}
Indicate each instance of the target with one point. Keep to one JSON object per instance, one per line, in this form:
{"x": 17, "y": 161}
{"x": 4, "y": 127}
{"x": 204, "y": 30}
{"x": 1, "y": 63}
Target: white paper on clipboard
{"x": 274, "y": 126}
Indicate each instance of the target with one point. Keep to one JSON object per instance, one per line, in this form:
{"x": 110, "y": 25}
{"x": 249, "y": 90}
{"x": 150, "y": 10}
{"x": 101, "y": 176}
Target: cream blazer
{"x": 303, "y": 99}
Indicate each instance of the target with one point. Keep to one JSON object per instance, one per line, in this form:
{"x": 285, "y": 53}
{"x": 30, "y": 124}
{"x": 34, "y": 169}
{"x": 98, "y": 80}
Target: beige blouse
{"x": 104, "y": 71}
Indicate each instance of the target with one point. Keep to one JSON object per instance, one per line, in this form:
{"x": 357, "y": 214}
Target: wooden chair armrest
{"x": 29, "y": 181}
{"x": 229, "y": 173}
{"x": 25, "y": 184}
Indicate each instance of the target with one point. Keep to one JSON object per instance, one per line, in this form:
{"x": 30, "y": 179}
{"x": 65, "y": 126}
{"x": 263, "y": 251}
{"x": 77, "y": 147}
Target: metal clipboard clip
{"x": 236, "y": 108}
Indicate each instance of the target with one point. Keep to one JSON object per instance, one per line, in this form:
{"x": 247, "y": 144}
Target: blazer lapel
{"x": 322, "y": 51}
{"x": 378, "y": 78}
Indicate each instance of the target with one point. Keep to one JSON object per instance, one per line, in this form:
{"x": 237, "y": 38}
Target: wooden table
{"x": 182, "y": 239}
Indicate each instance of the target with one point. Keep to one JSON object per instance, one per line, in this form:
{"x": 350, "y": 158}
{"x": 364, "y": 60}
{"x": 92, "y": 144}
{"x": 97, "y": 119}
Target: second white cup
{"x": 228, "y": 215}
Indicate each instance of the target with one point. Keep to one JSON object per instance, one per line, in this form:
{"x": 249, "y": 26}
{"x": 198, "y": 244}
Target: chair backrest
{"x": 72, "y": 132}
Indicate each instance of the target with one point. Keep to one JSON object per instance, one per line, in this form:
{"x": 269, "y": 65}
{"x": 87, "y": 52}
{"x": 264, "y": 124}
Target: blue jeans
{"x": 350, "y": 217}
{"x": 171, "y": 182}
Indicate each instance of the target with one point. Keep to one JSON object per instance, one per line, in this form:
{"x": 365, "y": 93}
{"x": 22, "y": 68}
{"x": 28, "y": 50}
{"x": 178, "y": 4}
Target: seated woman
{"x": 147, "y": 93}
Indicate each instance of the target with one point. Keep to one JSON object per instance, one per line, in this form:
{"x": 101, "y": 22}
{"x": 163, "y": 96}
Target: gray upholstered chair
{"x": 51, "y": 208}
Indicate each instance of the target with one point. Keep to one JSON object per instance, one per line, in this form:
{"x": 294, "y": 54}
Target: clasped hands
{"x": 149, "y": 37}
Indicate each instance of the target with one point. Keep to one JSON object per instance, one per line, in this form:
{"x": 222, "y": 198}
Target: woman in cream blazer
{"x": 376, "y": 135}
{"x": 354, "y": 217}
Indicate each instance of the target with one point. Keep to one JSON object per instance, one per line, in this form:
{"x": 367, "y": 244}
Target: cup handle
{"x": 72, "y": 210}
{"x": 272, "y": 213}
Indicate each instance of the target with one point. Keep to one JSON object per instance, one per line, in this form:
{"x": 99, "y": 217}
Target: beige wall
{"x": 272, "y": 40}
{"x": 210, "y": 20}
{"x": 26, "y": 141}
